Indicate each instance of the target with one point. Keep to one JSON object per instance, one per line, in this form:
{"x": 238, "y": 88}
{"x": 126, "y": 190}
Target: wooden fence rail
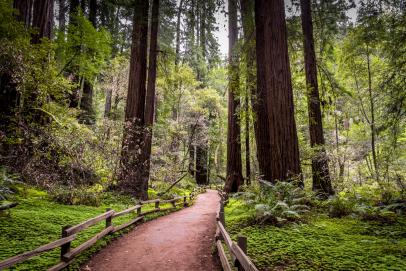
{"x": 69, "y": 233}
{"x": 238, "y": 251}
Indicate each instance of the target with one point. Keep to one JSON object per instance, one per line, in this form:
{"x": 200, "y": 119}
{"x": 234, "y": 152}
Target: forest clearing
{"x": 202, "y": 135}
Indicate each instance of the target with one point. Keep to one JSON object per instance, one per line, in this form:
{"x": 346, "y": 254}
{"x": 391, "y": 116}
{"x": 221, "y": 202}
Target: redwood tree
{"x": 134, "y": 114}
{"x": 321, "y": 177}
{"x": 234, "y": 172}
{"x": 248, "y": 24}
{"x": 259, "y": 99}
{"x": 150, "y": 96}
{"x": 42, "y": 19}
{"x": 284, "y": 149}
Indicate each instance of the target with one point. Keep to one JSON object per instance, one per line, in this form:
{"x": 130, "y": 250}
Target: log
{"x": 223, "y": 258}
{"x": 8, "y": 206}
{"x": 243, "y": 259}
{"x": 89, "y": 223}
{"x": 26, "y": 255}
{"x": 125, "y": 225}
{"x": 126, "y": 211}
{"x": 69, "y": 256}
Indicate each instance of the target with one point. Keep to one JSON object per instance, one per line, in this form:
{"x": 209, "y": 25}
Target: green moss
{"x": 37, "y": 221}
{"x": 322, "y": 244}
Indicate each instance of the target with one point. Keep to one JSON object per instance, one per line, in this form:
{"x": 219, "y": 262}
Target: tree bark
{"x": 24, "y": 8}
{"x": 150, "y": 96}
{"x": 248, "y": 23}
{"x": 234, "y": 170}
{"x": 130, "y": 163}
{"x": 321, "y": 175}
{"x": 284, "y": 149}
{"x": 259, "y": 98}
{"x": 372, "y": 122}
{"x": 61, "y": 15}
{"x": 178, "y": 20}
{"x": 93, "y": 12}
{"x": 42, "y": 20}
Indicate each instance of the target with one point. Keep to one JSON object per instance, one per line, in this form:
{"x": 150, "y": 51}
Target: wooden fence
{"x": 69, "y": 233}
{"x": 238, "y": 251}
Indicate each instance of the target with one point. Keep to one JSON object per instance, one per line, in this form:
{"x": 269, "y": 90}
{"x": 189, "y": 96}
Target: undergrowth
{"x": 322, "y": 243}
{"x": 37, "y": 221}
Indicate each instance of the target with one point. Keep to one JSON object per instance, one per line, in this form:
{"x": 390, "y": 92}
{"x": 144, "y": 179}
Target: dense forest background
{"x": 301, "y": 123}
{"x": 64, "y": 82}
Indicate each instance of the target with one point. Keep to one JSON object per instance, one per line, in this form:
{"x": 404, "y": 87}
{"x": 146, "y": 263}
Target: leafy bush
{"x": 75, "y": 196}
{"x": 376, "y": 213}
{"x": 340, "y": 206}
{"x": 281, "y": 203}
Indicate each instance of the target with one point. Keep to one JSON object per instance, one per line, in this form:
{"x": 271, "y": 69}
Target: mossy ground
{"x": 37, "y": 221}
{"x": 322, "y": 243}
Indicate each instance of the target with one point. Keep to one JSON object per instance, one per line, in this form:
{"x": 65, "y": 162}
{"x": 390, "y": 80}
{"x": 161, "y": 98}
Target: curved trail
{"x": 179, "y": 241}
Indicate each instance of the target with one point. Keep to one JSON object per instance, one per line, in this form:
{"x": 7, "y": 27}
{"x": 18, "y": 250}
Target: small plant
{"x": 75, "y": 196}
{"x": 284, "y": 202}
{"x": 340, "y": 206}
{"x": 7, "y": 183}
{"x": 376, "y": 213}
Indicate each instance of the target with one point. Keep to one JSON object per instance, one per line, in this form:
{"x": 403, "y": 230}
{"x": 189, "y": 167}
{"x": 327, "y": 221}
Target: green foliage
{"x": 340, "y": 206}
{"x": 85, "y": 49}
{"x": 327, "y": 244}
{"x": 37, "y": 221}
{"x": 75, "y": 196}
{"x": 8, "y": 182}
{"x": 283, "y": 202}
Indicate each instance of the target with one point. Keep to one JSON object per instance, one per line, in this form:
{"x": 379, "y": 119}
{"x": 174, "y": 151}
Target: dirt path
{"x": 179, "y": 241}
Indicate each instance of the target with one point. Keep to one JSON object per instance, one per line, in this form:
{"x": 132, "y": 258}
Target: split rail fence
{"x": 238, "y": 251}
{"x": 69, "y": 233}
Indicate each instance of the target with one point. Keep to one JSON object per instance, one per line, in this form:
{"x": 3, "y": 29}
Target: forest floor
{"x": 180, "y": 241}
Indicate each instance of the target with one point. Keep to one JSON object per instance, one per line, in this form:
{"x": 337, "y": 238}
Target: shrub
{"x": 281, "y": 203}
{"x": 75, "y": 196}
{"x": 340, "y": 206}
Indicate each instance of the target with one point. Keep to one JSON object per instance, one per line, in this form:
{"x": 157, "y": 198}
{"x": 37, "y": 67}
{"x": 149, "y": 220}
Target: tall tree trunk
{"x": 130, "y": 164}
{"x": 284, "y": 148}
{"x": 42, "y": 20}
{"x": 178, "y": 21}
{"x": 321, "y": 175}
{"x": 234, "y": 171}
{"x": 93, "y": 12}
{"x": 24, "y": 8}
{"x": 248, "y": 23}
{"x": 61, "y": 15}
{"x": 372, "y": 122}
{"x": 88, "y": 115}
{"x": 150, "y": 98}
{"x": 259, "y": 95}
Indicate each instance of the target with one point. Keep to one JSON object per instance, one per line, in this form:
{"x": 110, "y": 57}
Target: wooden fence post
{"x": 242, "y": 243}
{"x": 184, "y": 201}
{"x": 139, "y": 211}
{"x": 66, "y": 247}
{"x": 108, "y": 219}
{"x": 157, "y": 204}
